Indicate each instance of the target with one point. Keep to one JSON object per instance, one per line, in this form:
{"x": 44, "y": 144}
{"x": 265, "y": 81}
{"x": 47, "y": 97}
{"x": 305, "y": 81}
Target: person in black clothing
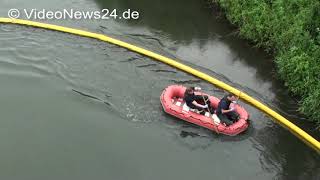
{"x": 226, "y": 114}
{"x": 193, "y": 100}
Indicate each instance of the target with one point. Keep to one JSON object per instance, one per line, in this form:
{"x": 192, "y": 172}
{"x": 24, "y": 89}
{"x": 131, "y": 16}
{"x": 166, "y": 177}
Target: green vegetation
{"x": 290, "y": 29}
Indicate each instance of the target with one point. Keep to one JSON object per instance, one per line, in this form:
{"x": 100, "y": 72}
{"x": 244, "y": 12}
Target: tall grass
{"x": 290, "y": 29}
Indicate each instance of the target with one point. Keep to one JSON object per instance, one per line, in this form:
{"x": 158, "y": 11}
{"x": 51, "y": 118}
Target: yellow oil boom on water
{"x": 277, "y": 117}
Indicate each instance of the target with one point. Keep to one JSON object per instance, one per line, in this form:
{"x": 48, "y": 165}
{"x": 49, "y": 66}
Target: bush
{"x": 291, "y": 29}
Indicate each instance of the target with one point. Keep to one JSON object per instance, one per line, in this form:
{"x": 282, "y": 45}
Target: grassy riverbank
{"x": 290, "y": 29}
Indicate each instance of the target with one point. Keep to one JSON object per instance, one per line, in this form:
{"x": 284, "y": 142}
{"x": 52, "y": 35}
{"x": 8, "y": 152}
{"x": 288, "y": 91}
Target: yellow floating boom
{"x": 277, "y": 117}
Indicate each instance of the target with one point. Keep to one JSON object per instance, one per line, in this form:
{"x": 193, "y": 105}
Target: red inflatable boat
{"x": 172, "y": 103}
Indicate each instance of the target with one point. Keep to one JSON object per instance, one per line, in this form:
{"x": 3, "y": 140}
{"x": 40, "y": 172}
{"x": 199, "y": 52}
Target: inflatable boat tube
{"x": 173, "y": 104}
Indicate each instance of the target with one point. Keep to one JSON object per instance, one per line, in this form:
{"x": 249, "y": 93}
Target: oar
{"x": 206, "y": 104}
{"x": 214, "y": 124}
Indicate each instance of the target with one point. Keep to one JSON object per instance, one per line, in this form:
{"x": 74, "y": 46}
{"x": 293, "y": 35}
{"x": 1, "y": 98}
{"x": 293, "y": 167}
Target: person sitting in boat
{"x": 225, "y": 111}
{"x": 192, "y": 100}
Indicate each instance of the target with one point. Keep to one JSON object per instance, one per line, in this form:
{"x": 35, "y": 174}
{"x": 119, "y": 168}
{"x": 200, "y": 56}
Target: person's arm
{"x": 226, "y": 110}
{"x": 199, "y": 105}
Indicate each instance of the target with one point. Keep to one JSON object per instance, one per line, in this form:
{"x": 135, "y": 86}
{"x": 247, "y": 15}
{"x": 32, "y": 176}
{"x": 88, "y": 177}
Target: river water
{"x": 77, "y": 108}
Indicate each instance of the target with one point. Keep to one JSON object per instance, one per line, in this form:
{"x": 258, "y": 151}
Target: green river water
{"x": 50, "y": 129}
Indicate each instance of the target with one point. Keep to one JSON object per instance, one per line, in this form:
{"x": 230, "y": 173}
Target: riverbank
{"x": 291, "y": 30}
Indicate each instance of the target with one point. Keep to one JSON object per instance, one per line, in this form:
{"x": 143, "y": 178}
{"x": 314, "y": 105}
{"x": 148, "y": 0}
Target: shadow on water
{"x": 186, "y": 129}
{"x": 194, "y": 137}
{"x": 180, "y": 20}
{"x": 188, "y": 21}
